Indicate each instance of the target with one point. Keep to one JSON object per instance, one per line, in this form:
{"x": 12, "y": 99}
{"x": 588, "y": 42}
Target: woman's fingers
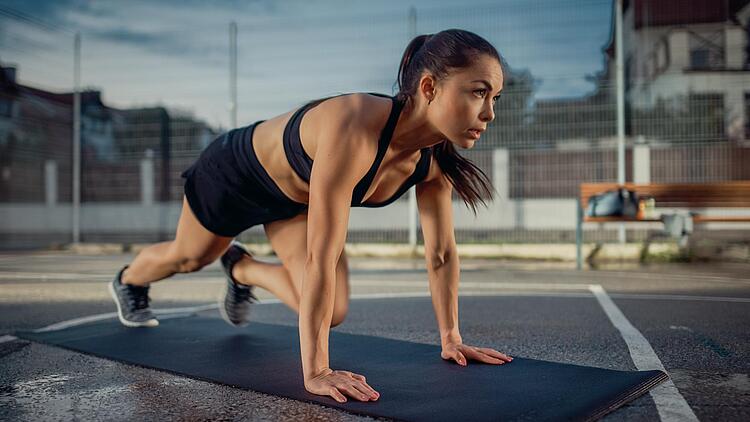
{"x": 358, "y": 376}
{"x": 371, "y": 391}
{"x": 363, "y": 381}
{"x": 495, "y": 353}
{"x": 365, "y": 388}
{"x": 336, "y": 394}
{"x": 477, "y": 353}
{"x": 368, "y": 392}
{"x": 355, "y": 391}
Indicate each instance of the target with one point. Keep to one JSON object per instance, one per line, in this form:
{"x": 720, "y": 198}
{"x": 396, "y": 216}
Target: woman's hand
{"x": 460, "y": 352}
{"x": 334, "y": 383}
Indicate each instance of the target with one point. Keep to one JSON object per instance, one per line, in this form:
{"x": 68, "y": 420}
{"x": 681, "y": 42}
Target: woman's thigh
{"x": 194, "y": 245}
{"x": 289, "y": 240}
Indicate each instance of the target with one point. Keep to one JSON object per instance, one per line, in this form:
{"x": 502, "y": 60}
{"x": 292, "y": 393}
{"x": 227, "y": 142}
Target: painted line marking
{"x": 99, "y": 317}
{"x": 6, "y": 338}
{"x": 190, "y": 310}
{"x": 670, "y": 404}
{"x": 267, "y": 301}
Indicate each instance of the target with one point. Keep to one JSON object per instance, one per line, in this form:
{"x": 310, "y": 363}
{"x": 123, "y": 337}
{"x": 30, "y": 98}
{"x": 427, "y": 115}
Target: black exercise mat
{"x": 414, "y": 382}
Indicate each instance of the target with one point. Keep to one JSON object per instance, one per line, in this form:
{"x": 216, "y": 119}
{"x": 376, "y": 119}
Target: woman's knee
{"x": 189, "y": 263}
{"x": 188, "y": 258}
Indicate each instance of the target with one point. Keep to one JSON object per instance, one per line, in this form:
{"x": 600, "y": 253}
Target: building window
{"x": 747, "y": 114}
{"x": 707, "y": 50}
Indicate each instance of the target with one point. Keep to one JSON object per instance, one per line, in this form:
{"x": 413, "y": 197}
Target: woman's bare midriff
{"x": 269, "y": 148}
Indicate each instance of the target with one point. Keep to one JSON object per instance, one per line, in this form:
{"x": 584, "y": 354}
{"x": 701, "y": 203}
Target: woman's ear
{"x": 427, "y": 87}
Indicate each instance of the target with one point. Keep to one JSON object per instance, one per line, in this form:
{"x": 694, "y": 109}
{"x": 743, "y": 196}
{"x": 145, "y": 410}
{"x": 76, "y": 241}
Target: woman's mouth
{"x": 475, "y": 133}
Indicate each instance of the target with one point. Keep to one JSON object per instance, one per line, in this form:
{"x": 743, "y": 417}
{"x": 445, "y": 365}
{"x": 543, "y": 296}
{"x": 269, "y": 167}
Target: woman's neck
{"x": 413, "y": 131}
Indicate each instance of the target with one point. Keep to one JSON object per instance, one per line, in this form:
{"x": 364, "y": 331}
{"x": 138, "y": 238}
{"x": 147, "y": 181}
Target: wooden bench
{"x": 695, "y": 197}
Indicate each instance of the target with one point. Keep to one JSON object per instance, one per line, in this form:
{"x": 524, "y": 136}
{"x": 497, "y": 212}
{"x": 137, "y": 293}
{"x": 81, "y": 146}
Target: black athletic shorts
{"x": 228, "y": 189}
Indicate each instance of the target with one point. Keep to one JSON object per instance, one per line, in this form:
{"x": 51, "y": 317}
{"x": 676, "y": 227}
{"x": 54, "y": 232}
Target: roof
{"x": 650, "y": 13}
{"x": 681, "y": 12}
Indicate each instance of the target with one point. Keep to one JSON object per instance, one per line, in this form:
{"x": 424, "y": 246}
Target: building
{"x": 687, "y": 60}
{"x": 36, "y": 132}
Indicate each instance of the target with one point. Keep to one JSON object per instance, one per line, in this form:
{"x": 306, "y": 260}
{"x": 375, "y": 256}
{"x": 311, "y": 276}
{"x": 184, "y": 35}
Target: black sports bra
{"x": 302, "y": 163}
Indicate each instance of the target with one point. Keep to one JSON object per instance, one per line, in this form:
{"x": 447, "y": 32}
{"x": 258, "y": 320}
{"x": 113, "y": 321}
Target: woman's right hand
{"x": 337, "y": 383}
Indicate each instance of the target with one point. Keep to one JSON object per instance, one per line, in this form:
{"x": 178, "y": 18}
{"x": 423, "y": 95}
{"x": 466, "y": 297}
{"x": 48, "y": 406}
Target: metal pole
{"x": 412, "y": 190}
{"x": 620, "y": 108}
{"x": 77, "y": 139}
{"x": 233, "y": 74}
{"x": 579, "y": 234}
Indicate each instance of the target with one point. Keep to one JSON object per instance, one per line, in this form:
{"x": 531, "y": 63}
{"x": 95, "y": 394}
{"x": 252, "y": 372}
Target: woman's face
{"x": 464, "y": 101}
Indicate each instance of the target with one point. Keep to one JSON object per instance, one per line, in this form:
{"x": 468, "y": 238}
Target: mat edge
{"x": 631, "y": 395}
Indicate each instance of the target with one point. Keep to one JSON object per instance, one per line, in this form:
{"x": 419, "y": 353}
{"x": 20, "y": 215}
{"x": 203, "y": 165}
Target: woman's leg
{"x": 289, "y": 239}
{"x": 193, "y": 248}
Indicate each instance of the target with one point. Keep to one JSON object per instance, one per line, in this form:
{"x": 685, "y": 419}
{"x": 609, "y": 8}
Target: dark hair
{"x": 439, "y": 54}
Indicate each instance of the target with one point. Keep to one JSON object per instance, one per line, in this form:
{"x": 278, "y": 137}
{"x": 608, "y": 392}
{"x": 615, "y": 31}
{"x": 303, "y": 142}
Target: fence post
{"x": 500, "y": 172}
{"x": 50, "y": 182}
{"x": 641, "y": 162}
{"x": 147, "y": 178}
{"x": 579, "y": 234}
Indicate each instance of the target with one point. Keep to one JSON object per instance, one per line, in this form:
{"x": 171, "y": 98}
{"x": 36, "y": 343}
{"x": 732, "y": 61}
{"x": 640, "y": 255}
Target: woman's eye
{"x": 495, "y": 98}
{"x": 483, "y": 91}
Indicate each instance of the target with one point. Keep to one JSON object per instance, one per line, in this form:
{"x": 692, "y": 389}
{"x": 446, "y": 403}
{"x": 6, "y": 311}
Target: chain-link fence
{"x": 153, "y": 98}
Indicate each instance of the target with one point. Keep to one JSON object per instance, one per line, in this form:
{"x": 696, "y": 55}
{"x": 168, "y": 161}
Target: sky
{"x": 176, "y": 53}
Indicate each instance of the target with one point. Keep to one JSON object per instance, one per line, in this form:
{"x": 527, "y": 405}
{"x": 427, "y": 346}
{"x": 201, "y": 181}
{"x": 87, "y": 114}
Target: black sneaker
{"x": 236, "y": 300}
{"x": 132, "y": 303}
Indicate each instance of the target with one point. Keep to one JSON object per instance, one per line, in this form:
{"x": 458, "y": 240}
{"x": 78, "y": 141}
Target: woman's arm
{"x": 441, "y": 255}
{"x": 339, "y": 164}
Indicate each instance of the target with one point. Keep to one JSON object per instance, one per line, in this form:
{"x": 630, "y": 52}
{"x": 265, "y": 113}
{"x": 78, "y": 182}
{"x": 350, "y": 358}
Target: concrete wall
{"x": 149, "y": 216}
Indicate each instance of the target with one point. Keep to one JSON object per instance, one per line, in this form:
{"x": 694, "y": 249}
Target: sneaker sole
{"x": 150, "y": 323}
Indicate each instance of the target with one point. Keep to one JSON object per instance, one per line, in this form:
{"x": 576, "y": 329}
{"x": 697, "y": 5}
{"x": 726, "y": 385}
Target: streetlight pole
{"x": 620, "y": 107}
{"x": 233, "y": 74}
{"x": 76, "y": 208}
{"x": 413, "y": 189}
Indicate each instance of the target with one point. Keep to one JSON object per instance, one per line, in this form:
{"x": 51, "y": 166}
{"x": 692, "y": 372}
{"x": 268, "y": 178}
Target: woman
{"x": 368, "y": 149}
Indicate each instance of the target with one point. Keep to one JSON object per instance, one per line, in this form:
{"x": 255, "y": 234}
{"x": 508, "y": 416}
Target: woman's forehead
{"x": 482, "y": 73}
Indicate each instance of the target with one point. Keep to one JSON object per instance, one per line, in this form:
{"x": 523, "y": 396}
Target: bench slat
{"x": 724, "y": 194}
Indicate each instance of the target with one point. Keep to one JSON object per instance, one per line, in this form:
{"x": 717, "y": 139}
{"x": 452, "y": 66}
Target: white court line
{"x": 187, "y": 310}
{"x": 680, "y": 297}
{"x": 669, "y": 402}
{"x": 473, "y": 284}
{"x": 108, "y": 315}
{"x": 5, "y": 339}
{"x": 51, "y": 276}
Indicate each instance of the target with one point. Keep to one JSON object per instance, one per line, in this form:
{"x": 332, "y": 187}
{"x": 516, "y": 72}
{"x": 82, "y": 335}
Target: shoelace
{"x": 137, "y": 297}
{"x": 242, "y": 293}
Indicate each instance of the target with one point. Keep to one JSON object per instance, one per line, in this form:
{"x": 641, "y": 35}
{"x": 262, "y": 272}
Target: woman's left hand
{"x": 461, "y": 352}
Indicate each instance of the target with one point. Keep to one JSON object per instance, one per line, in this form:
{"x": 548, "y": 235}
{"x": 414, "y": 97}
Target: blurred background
{"x": 158, "y": 80}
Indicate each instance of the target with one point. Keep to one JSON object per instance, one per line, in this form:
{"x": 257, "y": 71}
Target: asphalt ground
{"x": 692, "y": 320}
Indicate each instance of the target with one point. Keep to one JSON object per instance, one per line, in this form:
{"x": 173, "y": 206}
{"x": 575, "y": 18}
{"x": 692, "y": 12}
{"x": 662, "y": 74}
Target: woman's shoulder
{"x": 357, "y": 111}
